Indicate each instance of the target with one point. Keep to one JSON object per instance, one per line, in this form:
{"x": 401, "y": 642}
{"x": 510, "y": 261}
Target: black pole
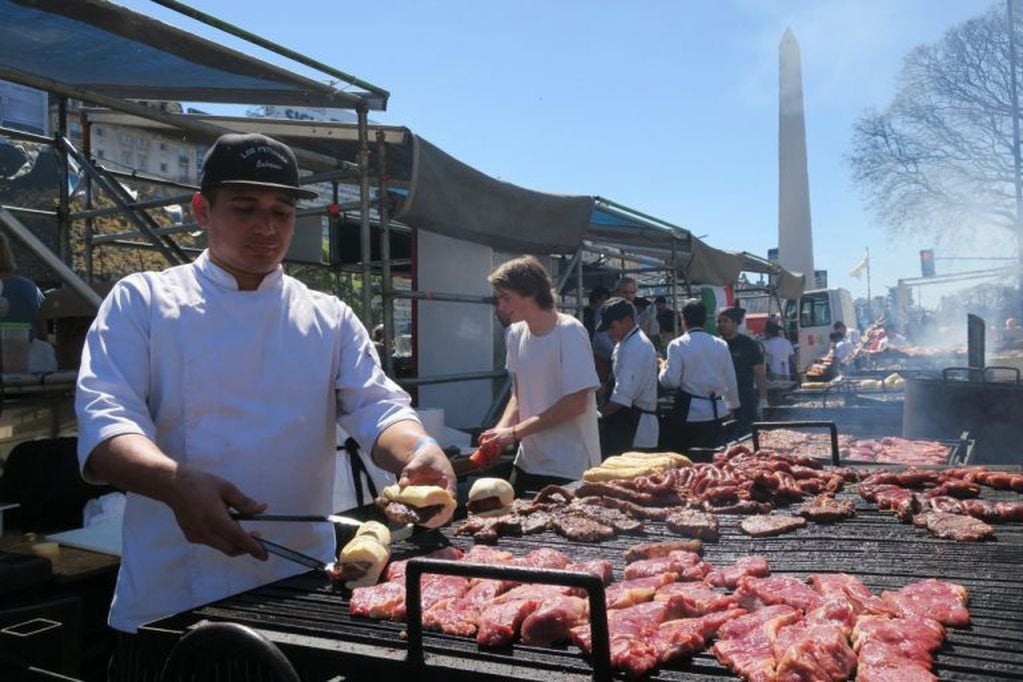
{"x": 1017, "y": 178}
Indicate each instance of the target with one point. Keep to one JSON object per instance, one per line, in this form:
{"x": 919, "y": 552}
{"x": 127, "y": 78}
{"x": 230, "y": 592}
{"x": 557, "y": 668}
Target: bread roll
{"x": 490, "y": 497}
{"x": 375, "y": 529}
{"x": 366, "y": 556}
{"x": 437, "y": 503}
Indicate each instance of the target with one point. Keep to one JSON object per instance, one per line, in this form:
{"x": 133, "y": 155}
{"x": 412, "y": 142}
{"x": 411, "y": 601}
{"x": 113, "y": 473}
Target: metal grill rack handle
{"x": 767, "y": 426}
{"x": 416, "y": 568}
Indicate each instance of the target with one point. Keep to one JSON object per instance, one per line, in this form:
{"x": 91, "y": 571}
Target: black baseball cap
{"x": 252, "y": 159}
{"x": 615, "y": 309}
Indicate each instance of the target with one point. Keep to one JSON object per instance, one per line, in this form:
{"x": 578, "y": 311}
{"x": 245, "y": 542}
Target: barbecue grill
{"x": 959, "y": 451}
{"x": 308, "y": 617}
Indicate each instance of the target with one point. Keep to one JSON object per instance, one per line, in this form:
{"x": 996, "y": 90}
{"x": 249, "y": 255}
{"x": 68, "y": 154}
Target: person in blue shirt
{"x": 20, "y": 298}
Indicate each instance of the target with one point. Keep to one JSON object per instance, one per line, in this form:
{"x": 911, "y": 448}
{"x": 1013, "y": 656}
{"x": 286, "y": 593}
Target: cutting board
{"x": 104, "y": 537}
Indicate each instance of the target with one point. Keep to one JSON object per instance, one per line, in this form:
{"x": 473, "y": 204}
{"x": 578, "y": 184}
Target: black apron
{"x": 618, "y": 430}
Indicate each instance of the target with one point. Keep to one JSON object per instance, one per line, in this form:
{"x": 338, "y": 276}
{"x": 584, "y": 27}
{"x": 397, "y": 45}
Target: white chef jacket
{"x": 545, "y": 369}
{"x": 634, "y": 364}
{"x": 701, "y": 364}
{"x": 777, "y": 351}
{"x": 247, "y": 385}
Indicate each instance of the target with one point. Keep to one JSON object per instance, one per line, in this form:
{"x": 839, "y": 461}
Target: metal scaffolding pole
{"x": 579, "y": 289}
{"x": 43, "y": 252}
{"x": 364, "y": 234}
{"x": 384, "y": 213}
{"x": 63, "y": 209}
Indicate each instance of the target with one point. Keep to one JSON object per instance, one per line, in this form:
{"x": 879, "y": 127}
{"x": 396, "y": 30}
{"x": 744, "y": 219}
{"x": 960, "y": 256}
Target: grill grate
{"x": 310, "y": 620}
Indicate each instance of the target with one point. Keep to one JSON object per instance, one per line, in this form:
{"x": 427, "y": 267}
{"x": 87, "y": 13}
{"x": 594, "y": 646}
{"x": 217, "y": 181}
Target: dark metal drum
{"x": 991, "y": 411}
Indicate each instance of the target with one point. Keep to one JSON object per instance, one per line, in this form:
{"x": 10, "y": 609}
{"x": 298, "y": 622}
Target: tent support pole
{"x": 63, "y": 210}
{"x": 579, "y": 290}
{"x": 386, "y": 293}
{"x": 364, "y": 235}
{"x": 674, "y": 287}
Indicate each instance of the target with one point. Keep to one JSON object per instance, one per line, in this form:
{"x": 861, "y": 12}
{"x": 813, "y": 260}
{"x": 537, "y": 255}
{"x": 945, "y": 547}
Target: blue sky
{"x": 668, "y": 106}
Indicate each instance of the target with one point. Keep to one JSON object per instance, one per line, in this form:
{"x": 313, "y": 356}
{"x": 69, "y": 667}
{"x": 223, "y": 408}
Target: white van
{"x": 810, "y": 320}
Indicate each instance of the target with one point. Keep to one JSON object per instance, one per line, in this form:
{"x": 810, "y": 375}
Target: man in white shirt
{"x": 217, "y": 386}
{"x": 778, "y": 352}
{"x": 699, "y": 366}
{"x": 629, "y": 418}
{"x": 852, "y": 334}
{"x": 552, "y": 411}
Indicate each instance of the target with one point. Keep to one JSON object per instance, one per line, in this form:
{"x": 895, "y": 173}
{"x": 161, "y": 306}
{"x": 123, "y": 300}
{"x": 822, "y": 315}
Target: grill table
{"x": 308, "y": 618}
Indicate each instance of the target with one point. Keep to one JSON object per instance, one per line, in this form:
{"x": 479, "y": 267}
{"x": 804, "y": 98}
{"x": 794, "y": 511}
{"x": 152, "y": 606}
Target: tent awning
{"x": 103, "y": 48}
{"x": 438, "y": 193}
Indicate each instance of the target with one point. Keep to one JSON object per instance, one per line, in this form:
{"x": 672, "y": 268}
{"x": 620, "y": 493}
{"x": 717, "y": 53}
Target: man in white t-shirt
{"x": 778, "y": 352}
{"x": 552, "y": 411}
{"x": 629, "y": 418}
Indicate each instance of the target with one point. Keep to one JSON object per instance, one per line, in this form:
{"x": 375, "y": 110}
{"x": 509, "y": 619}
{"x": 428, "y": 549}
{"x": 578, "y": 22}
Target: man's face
{"x": 726, "y": 326}
{"x": 511, "y": 306}
{"x": 249, "y": 229}
{"x": 628, "y": 291}
{"x": 616, "y": 330}
{"x": 660, "y": 305}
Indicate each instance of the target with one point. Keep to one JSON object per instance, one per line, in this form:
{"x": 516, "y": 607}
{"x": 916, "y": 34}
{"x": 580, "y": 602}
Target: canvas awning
{"x": 436, "y": 192}
{"x": 92, "y": 46}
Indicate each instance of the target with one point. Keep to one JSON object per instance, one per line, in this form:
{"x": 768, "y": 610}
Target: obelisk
{"x": 795, "y": 233}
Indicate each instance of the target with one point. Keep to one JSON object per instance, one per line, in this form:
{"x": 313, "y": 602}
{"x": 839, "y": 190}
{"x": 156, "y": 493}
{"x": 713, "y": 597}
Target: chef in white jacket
{"x": 217, "y": 386}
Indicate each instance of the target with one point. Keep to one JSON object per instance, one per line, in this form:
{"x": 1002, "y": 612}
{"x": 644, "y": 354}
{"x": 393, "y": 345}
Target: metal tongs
{"x": 297, "y": 557}
{"x": 397, "y": 534}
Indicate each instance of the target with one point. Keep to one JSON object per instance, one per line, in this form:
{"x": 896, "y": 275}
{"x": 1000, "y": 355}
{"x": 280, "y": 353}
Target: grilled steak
{"x": 694, "y": 524}
{"x": 700, "y": 598}
{"x": 825, "y": 508}
{"x": 677, "y": 562}
{"x": 653, "y": 550}
{"x": 904, "y": 645}
{"x": 745, "y": 644}
{"x": 939, "y": 600}
{"x": 581, "y": 528}
{"x": 607, "y": 516}
{"x": 763, "y": 525}
{"x": 740, "y": 507}
{"x": 730, "y": 575}
{"x": 537, "y": 522}
{"x": 631, "y": 508}
{"x": 813, "y": 651}
{"x": 777, "y": 589}
{"x": 954, "y": 526}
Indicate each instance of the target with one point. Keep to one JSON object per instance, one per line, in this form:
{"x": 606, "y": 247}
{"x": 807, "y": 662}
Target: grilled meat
{"x": 653, "y": 550}
{"x": 764, "y": 525}
{"x": 694, "y": 524}
{"x": 939, "y": 600}
{"x": 730, "y": 575}
{"x": 578, "y": 527}
{"x": 825, "y": 508}
{"x": 954, "y": 526}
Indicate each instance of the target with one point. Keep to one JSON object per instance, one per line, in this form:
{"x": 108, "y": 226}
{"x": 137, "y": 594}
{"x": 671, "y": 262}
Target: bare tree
{"x": 939, "y": 161}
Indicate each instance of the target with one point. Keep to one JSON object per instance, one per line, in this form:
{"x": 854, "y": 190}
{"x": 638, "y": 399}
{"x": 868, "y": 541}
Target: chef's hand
{"x": 430, "y": 466}
{"x": 200, "y": 502}
{"x": 501, "y": 435}
{"x": 761, "y": 406}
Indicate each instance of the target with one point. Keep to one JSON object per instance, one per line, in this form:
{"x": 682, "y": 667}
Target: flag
{"x": 864, "y": 263}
